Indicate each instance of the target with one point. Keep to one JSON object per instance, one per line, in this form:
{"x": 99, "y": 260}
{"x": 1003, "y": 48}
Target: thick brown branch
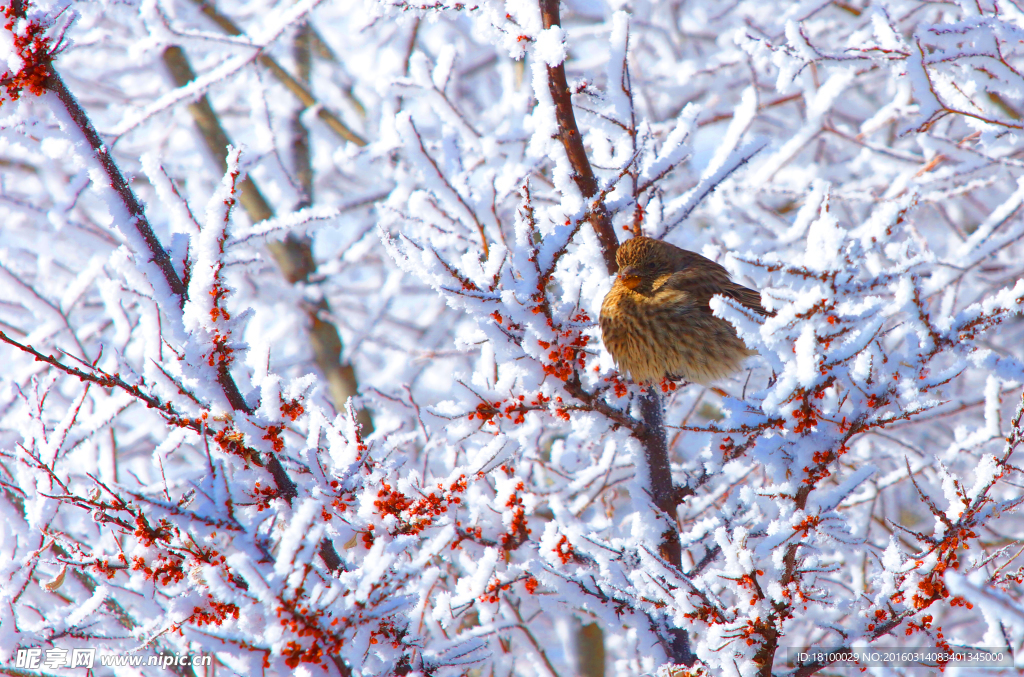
{"x": 330, "y": 556}
{"x": 651, "y": 433}
{"x": 663, "y": 492}
{"x": 569, "y": 135}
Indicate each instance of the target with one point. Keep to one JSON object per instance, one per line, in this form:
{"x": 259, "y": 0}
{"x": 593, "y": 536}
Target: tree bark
{"x": 569, "y": 135}
{"x": 651, "y": 433}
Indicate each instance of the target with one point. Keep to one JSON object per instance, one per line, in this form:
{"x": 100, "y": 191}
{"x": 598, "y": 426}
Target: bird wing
{"x": 751, "y": 298}
{"x": 703, "y": 278}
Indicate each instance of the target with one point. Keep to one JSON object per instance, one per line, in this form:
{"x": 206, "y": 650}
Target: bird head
{"x": 642, "y": 260}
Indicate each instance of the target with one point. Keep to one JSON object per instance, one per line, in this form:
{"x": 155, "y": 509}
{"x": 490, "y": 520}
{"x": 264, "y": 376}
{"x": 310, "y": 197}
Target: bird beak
{"x": 629, "y": 277}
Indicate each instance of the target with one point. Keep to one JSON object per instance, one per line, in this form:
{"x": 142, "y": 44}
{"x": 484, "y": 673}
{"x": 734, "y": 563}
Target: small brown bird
{"x": 656, "y": 321}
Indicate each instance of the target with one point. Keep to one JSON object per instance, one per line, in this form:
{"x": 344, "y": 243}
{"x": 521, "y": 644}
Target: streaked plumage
{"x": 656, "y": 321}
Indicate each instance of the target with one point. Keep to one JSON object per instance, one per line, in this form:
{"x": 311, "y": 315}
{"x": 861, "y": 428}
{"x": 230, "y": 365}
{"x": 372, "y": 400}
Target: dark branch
{"x": 157, "y": 254}
{"x": 569, "y": 135}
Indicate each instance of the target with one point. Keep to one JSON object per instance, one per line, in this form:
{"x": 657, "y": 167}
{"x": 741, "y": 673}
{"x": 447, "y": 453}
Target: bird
{"x": 656, "y": 322}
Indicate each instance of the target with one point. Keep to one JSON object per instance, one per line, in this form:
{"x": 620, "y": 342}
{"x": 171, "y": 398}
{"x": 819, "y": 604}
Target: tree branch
{"x": 652, "y": 436}
{"x": 569, "y": 135}
{"x": 157, "y": 253}
{"x": 652, "y": 433}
